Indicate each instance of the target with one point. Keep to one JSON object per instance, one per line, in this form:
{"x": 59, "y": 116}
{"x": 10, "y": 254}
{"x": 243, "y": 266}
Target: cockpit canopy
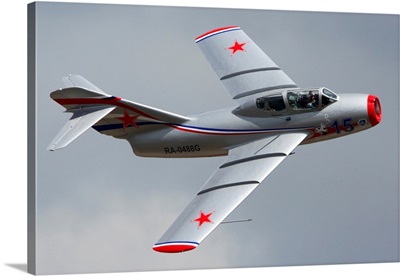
{"x": 310, "y": 99}
{"x": 271, "y": 103}
{"x": 287, "y": 102}
{"x": 297, "y": 100}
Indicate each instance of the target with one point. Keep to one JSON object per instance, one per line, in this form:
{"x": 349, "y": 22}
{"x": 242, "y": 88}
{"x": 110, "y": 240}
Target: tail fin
{"x": 91, "y": 107}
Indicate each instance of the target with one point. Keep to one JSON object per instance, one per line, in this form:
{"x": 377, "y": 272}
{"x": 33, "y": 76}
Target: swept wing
{"x": 244, "y": 169}
{"x": 243, "y": 68}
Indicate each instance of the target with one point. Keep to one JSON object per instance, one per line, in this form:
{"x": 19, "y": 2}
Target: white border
{"x": 13, "y": 205}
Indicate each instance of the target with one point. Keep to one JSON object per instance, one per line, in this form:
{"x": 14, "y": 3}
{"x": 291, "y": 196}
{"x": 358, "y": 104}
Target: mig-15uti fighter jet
{"x": 271, "y": 118}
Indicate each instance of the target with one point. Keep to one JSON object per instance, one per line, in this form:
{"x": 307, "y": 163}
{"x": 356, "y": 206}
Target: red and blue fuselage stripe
{"x": 116, "y": 101}
{"x": 200, "y": 130}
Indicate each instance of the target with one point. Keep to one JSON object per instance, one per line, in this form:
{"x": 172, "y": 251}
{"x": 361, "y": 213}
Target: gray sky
{"x": 101, "y": 208}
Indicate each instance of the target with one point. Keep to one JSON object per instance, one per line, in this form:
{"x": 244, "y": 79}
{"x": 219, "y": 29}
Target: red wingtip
{"x": 216, "y": 31}
{"x": 174, "y": 247}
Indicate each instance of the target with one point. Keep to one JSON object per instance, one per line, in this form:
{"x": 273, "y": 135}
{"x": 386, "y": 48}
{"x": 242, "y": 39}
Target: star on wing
{"x": 128, "y": 120}
{"x": 203, "y": 218}
{"x": 237, "y": 47}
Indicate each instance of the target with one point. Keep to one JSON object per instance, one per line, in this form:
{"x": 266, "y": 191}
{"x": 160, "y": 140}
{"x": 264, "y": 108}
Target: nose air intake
{"x": 374, "y": 110}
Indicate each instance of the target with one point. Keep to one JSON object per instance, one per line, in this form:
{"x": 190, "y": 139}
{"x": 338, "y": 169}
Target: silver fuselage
{"x": 214, "y": 133}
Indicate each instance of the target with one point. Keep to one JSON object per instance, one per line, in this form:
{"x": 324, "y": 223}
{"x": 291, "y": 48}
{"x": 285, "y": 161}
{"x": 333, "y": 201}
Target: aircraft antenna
{"x": 234, "y": 221}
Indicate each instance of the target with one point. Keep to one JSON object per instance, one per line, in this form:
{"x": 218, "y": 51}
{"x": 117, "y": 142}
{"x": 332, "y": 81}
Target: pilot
{"x": 312, "y": 103}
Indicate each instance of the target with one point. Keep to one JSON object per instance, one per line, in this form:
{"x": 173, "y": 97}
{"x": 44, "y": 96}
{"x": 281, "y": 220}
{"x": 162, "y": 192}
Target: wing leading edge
{"x": 243, "y": 170}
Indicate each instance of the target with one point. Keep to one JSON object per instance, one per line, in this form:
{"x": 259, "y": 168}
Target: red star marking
{"x": 237, "y": 47}
{"x": 128, "y": 120}
{"x": 203, "y": 218}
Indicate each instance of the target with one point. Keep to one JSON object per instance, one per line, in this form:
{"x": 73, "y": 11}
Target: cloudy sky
{"x": 101, "y": 208}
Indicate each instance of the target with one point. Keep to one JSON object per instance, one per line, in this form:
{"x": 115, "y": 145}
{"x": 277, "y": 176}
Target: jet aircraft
{"x": 272, "y": 116}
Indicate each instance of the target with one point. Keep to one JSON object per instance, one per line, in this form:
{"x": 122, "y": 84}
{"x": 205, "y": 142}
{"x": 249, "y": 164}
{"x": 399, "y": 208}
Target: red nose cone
{"x": 374, "y": 110}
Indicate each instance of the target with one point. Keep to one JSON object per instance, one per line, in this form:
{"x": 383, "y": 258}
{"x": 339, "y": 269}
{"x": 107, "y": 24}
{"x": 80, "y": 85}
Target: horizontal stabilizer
{"x": 81, "y": 120}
